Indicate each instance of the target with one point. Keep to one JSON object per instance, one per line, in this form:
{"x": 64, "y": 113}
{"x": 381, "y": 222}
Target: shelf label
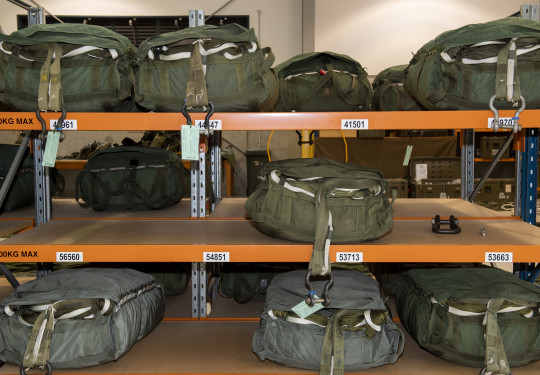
{"x": 51, "y": 149}
{"x": 216, "y": 256}
{"x": 350, "y": 257}
{"x": 212, "y": 124}
{"x": 507, "y": 122}
{"x": 351, "y": 124}
{"x": 66, "y": 124}
{"x": 499, "y": 257}
{"x": 69, "y": 256}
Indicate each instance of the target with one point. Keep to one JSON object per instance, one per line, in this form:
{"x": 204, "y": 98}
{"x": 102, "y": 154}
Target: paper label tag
{"x": 66, "y": 256}
{"x": 421, "y": 172}
{"x": 350, "y": 257}
{"x": 303, "y": 310}
{"x": 66, "y": 124}
{"x": 190, "y": 142}
{"x": 352, "y": 124}
{"x": 212, "y": 124}
{"x": 407, "y": 157}
{"x": 499, "y": 257}
{"x": 51, "y": 149}
{"x": 216, "y": 257}
{"x": 503, "y": 122}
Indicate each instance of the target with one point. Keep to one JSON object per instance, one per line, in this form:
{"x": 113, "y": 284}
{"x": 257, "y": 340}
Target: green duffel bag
{"x": 94, "y": 73}
{"x": 78, "y": 317}
{"x": 321, "y": 201}
{"x": 482, "y": 317}
{"x": 389, "y": 92}
{"x": 21, "y": 192}
{"x": 322, "y": 81}
{"x": 246, "y": 282}
{"x": 221, "y": 64}
{"x": 132, "y": 178}
{"x": 354, "y": 332}
{"x": 468, "y": 67}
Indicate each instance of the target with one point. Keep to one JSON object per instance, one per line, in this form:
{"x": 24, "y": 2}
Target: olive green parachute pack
{"x": 468, "y": 67}
{"x": 221, "y": 64}
{"x": 475, "y": 316}
{"x": 132, "y": 178}
{"x": 85, "y": 68}
{"x": 353, "y": 332}
{"x": 389, "y": 92}
{"x": 320, "y": 200}
{"x": 322, "y": 81}
{"x": 88, "y": 317}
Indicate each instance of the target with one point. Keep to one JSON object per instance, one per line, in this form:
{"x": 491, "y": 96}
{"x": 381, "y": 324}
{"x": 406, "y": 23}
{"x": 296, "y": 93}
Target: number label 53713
{"x": 350, "y": 257}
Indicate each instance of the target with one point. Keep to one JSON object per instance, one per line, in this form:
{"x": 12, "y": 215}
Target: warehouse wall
{"x": 384, "y": 33}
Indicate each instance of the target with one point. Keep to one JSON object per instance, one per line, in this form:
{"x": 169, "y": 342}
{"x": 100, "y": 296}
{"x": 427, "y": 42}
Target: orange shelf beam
{"x": 266, "y": 253}
{"x": 271, "y": 120}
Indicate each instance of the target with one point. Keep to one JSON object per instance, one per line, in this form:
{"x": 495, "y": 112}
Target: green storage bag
{"x": 389, "y": 92}
{"x": 131, "y": 177}
{"x": 354, "y": 331}
{"x": 94, "y": 74}
{"x": 464, "y": 68}
{"x": 21, "y": 192}
{"x": 246, "y": 282}
{"x": 322, "y": 81}
{"x": 446, "y": 311}
{"x": 321, "y": 201}
{"x": 89, "y": 316}
{"x": 221, "y": 64}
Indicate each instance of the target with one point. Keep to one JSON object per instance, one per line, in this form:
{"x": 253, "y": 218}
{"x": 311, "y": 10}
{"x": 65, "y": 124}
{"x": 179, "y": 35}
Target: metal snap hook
{"x": 186, "y": 114}
{"x": 515, "y": 120}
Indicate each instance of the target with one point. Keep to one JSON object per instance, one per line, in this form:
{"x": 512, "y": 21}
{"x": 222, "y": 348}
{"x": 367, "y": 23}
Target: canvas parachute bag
{"x": 479, "y": 66}
{"x": 320, "y": 200}
{"x": 353, "y": 332}
{"x": 131, "y": 178}
{"x": 322, "y": 81}
{"x": 78, "y": 318}
{"x": 90, "y": 66}
{"x": 481, "y": 316}
{"x": 221, "y": 64}
{"x": 389, "y": 92}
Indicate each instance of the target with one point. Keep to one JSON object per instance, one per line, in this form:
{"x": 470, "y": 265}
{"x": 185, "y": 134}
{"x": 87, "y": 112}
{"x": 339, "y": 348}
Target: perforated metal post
{"x": 196, "y": 18}
{"x": 215, "y": 167}
{"x": 467, "y": 163}
{"x": 198, "y": 289}
{"x": 36, "y": 16}
{"x": 529, "y": 176}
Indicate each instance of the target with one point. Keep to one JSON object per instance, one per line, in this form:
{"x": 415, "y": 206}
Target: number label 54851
{"x": 216, "y": 257}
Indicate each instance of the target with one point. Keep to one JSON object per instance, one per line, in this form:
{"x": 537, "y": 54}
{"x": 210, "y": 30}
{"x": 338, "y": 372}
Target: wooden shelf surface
{"x": 274, "y": 120}
{"x": 154, "y": 238}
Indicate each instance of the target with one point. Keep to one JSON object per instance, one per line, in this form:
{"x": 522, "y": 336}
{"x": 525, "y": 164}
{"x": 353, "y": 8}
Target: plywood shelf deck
{"x": 148, "y": 236}
{"x": 274, "y": 120}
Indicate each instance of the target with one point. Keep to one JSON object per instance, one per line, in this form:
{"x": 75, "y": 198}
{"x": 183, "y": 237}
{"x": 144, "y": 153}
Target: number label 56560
{"x": 69, "y": 256}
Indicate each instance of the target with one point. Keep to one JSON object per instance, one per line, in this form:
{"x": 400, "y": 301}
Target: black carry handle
{"x": 436, "y": 223}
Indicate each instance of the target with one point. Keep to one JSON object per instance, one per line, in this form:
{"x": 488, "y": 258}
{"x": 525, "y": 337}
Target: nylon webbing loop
{"x": 507, "y": 79}
{"x": 43, "y": 318}
{"x": 50, "y": 95}
{"x": 196, "y": 92}
{"x": 496, "y": 359}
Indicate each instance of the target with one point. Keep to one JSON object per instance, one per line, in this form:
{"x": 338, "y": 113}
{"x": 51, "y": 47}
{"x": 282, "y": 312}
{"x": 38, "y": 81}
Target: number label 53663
{"x": 498, "y": 257}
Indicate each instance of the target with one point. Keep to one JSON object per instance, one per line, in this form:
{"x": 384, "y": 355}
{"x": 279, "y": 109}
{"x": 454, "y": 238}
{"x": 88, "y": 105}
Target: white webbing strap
{"x": 204, "y": 52}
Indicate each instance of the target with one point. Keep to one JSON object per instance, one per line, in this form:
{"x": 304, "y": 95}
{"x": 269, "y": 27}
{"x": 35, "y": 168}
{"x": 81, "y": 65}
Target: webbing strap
{"x": 507, "y": 85}
{"x": 196, "y": 92}
{"x": 44, "y": 78}
{"x": 496, "y": 360}
{"x": 319, "y": 263}
{"x": 38, "y": 348}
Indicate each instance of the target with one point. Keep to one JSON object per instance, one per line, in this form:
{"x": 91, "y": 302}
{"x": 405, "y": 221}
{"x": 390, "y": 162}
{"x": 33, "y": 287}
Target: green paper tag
{"x": 303, "y": 310}
{"x": 190, "y": 142}
{"x": 408, "y": 153}
{"x": 51, "y": 149}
